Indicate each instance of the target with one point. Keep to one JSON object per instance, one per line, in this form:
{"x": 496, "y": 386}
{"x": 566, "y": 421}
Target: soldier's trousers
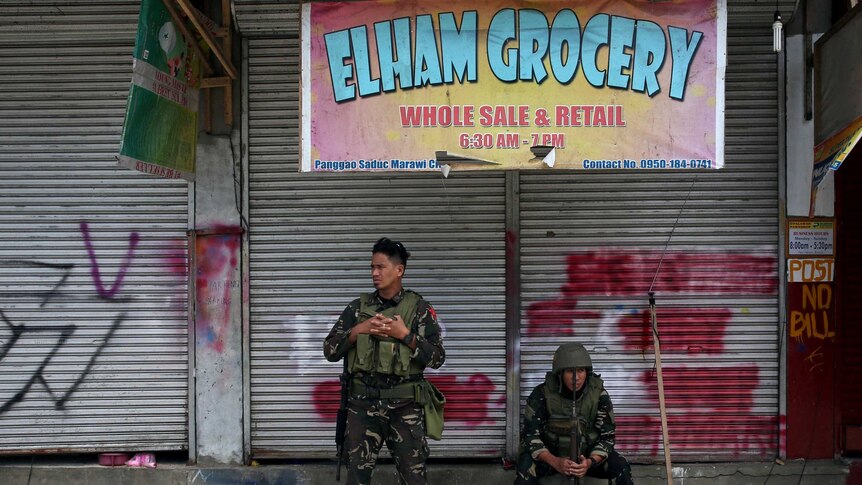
{"x": 615, "y": 469}
{"x": 398, "y": 423}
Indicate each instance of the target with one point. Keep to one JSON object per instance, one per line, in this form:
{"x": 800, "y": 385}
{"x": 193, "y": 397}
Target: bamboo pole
{"x": 661, "y": 404}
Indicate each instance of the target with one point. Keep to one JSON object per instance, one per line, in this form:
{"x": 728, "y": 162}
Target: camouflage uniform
{"x": 613, "y": 467}
{"x": 397, "y": 422}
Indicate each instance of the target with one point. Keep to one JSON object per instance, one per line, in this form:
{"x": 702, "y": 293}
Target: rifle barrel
{"x": 575, "y": 444}
{"x": 341, "y": 420}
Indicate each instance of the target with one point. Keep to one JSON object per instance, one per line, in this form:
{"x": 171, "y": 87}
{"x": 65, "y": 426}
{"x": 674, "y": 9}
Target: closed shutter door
{"x": 93, "y": 293}
{"x": 592, "y": 242}
{"x": 848, "y": 274}
{"x": 310, "y": 248}
{"x": 257, "y": 18}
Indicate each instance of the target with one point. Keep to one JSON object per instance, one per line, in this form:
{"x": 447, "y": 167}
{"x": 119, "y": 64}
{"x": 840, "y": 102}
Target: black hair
{"x": 394, "y": 249}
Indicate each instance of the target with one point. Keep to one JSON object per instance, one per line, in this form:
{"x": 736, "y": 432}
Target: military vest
{"x": 385, "y": 355}
{"x": 557, "y": 433}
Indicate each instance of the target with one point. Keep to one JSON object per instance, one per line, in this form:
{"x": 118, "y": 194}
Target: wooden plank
{"x": 215, "y": 82}
{"x": 227, "y": 43}
{"x": 225, "y": 63}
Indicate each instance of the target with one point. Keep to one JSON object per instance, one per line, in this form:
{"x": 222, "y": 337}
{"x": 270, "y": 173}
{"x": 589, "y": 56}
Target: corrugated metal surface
{"x": 256, "y": 18}
{"x": 310, "y": 248}
{"x": 591, "y": 244}
{"x": 93, "y": 337}
{"x": 848, "y": 272}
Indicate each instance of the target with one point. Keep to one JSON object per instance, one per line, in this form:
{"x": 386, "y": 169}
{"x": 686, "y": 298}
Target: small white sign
{"x": 810, "y": 237}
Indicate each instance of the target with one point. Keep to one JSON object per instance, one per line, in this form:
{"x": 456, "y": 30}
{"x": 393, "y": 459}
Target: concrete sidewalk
{"x": 24, "y": 472}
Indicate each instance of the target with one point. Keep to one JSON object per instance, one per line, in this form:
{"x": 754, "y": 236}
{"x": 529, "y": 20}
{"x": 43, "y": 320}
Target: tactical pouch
{"x": 559, "y": 426}
{"x": 402, "y": 361}
{"x": 385, "y": 355}
{"x": 557, "y": 436}
{"x": 363, "y": 354}
{"x": 432, "y": 401}
{"x": 564, "y": 445}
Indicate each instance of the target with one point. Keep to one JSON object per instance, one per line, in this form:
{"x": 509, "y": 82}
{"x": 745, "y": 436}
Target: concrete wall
{"x": 800, "y": 140}
{"x": 218, "y": 304}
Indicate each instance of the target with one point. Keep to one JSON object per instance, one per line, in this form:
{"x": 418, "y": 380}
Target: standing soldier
{"x": 545, "y": 439}
{"x": 388, "y": 338}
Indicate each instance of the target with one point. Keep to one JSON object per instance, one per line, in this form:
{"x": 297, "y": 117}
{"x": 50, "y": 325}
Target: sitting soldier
{"x": 546, "y": 436}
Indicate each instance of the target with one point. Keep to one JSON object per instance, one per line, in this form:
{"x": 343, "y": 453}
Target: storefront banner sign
{"x": 512, "y": 84}
{"x": 160, "y": 129}
{"x": 834, "y": 150}
{"x": 830, "y": 154}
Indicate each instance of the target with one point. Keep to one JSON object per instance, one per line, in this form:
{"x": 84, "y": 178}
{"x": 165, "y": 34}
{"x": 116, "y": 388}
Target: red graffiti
{"x": 684, "y": 330}
{"x": 174, "y": 258}
{"x": 715, "y": 401}
{"x": 627, "y": 273}
{"x": 215, "y": 279}
{"x": 632, "y": 272}
{"x": 709, "y": 406}
{"x": 556, "y": 317}
{"x": 705, "y": 389}
{"x": 467, "y": 400}
{"x": 782, "y": 435}
{"x": 326, "y": 398}
{"x": 741, "y": 435}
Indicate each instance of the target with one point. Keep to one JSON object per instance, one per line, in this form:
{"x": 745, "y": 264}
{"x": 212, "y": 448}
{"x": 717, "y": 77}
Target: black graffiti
{"x": 63, "y": 332}
{"x": 47, "y": 295}
{"x": 56, "y": 291}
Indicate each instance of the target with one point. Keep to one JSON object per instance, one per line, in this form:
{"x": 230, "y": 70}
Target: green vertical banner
{"x": 161, "y": 124}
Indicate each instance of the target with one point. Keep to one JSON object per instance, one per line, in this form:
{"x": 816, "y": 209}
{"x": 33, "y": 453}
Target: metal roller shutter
{"x": 93, "y": 292}
{"x": 591, "y": 243}
{"x": 257, "y": 18}
{"x": 310, "y": 241}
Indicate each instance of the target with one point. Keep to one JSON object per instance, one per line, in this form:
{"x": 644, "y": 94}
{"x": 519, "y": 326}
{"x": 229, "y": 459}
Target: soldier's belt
{"x": 408, "y": 390}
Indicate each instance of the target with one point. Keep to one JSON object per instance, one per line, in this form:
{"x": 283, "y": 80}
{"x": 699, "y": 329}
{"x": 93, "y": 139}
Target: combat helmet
{"x": 570, "y": 356}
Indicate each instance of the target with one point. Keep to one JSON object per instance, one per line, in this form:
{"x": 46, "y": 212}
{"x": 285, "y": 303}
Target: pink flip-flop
{"x": 147, "y": 460}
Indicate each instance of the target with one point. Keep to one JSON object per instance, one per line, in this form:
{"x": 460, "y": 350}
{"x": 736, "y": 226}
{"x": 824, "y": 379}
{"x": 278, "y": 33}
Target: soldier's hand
{"x": 565, "y": 466}
{"x": 380, "y": 325}
{"x": 398, "y": 329}
{"x": 370, "y": 325}
{"x": 582, "y": 466}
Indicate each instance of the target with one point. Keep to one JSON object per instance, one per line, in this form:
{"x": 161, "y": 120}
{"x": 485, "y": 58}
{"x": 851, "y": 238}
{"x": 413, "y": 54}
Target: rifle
{"x": 575, "y": 437}
{"x": 341, "y": 420}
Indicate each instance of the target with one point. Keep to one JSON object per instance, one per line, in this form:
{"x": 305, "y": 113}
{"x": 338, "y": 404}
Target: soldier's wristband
{"x": 408, "y": 339}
